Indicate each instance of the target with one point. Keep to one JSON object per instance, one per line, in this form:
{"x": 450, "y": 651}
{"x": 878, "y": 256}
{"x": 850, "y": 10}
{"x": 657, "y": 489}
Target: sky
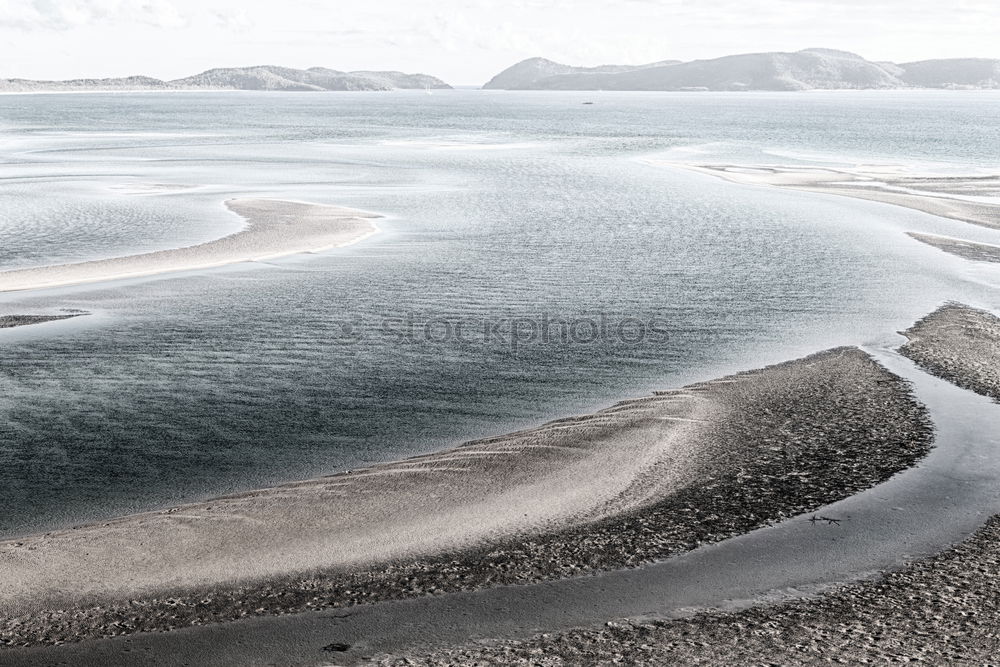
{"x": 466, "y": 42}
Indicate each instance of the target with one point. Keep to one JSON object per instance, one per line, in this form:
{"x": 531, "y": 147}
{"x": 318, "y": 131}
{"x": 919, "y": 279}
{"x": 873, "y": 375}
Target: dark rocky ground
{"x": 977, "y": 252}
{"x": 789, "y": 439}
{"x": 10, "y": 321}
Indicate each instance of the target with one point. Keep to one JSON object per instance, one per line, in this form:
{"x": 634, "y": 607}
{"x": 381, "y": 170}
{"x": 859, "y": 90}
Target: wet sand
{"x": 902, "y": 518}
{"x": 275, "y": 228}
{"x": 947, "y": 197}
{"x": 642, "y": 480}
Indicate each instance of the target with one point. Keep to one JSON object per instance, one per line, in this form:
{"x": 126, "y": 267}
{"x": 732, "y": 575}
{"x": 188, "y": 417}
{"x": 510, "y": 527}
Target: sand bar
{"x": 946, "y": 197}
{"x": 942, "y": 609}
{"x": 922, "y": 510}
{"x": 961, "y": 345}
{"x": 275, "y": 228}
{"x": 642, "y": 480}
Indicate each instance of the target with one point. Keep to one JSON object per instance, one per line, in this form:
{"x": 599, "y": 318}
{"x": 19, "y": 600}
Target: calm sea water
{"x": 507, "y": 213}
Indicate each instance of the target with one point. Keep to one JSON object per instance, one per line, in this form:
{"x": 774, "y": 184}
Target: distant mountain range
{"x": 811, "y": 69}
{"x": 263, "y": 77}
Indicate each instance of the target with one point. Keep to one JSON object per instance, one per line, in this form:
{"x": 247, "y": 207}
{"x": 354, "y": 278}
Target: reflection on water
{"x": 504, "y": 208}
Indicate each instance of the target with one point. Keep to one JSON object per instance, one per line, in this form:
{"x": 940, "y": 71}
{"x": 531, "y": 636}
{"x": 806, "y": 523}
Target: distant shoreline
{"x": 162, "y": 91}
{"x": 494, "y": 91}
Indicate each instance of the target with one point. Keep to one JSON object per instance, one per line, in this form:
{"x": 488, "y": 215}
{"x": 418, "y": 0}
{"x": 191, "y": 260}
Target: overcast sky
{"x": 466, "y": 41}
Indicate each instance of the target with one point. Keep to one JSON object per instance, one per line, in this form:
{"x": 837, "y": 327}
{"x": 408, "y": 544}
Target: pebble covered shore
{"x": 939, "y": 610}
{"x": 787, "y": 439}
{"x": 961, "y": 345}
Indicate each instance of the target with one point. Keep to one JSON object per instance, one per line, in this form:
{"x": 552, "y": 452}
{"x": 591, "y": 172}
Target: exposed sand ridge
{"x": 965, "y": 198}
{"x": 275, "y": 228}
{"x": 943, "y": 609}
{"x": 642, "y": 480}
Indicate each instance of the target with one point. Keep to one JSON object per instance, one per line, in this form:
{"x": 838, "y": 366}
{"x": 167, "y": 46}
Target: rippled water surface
{"x": 509, "y": 216}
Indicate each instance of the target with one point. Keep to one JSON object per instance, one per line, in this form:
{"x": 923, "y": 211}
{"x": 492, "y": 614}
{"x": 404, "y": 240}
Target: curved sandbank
{"x": 922, "y": 510}
{"x": 642, "y": 480}
{"x": 940, "y": 196}
{"x": 939, "y": 609}
{"x": 275, "y": 228}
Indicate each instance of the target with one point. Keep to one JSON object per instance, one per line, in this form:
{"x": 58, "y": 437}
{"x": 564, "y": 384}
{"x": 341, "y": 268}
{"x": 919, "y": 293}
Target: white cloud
{"x": 467, "y": 41}
{"x": 31, "y": 15}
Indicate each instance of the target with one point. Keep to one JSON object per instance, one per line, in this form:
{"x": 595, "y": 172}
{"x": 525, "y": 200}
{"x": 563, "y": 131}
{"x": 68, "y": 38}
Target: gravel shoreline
{"x": 944, "y": 609}
{"x": 959, "y": 344}
{"x": 783, "y": 440}
{"x": 939, "y": 610}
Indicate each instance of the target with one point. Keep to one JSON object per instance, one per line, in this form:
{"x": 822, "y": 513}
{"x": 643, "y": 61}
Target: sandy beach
{"x": 952, "y": 197}
{"x": 657, "y": 377}
{"x": 274, "y": 228}
{"x": 644, "y": 480}
{"x": 940, "y": 609}
{"x": 641, "y": 480}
